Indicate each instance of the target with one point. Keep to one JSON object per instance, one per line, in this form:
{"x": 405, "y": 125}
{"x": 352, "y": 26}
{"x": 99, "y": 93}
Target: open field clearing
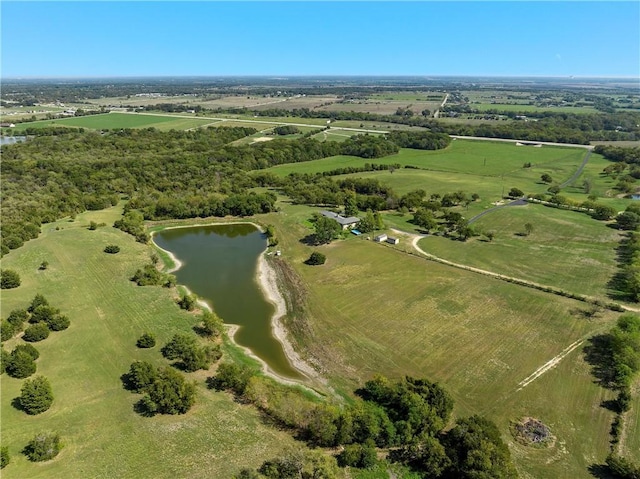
{"x": 481, "y": 158}
{"x": 525, "y": 107}
{"x": 373, "y": 309}
{"x": 383, "y": 107}
{"x": 320, "y": 122}
{"x": 567, "y": 401}
{"x": 146, "y": 100}
{"x": 102, "y": 435}
{"x": 213, "y": 101}
{"x": 108, "y": 121}
{"x": 514, "y": 100}
{"x": 566, "y": 249}
{"x": 432, "y": 96}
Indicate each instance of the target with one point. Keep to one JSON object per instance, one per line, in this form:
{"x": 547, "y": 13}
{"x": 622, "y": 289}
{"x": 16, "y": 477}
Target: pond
{"x": 10, "y": 140}
{"x": 219, "y": 265}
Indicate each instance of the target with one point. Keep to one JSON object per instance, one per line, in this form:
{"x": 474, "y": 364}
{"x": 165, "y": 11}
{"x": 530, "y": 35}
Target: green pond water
{"x": 219, "y": 264}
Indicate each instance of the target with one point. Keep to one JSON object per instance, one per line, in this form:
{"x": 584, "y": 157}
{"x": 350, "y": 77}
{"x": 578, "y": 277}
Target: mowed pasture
{"x": 373, "y": 309}
{"x": 110, "y": 121}
{"x": 566, "y": 249}
{"x": 487, "y": 168}
{"x": 480, "y": 158}
{"x": 102, "y": 435}
{"x": 384, "y": 107}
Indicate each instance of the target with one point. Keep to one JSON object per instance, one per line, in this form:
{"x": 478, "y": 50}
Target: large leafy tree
{"x": 36, "y": 395}
{"x": 170, "y": 393}
{"x": 326, "y": 230}
{"x": 9, "y": 279}
{"x": 476, "y": 450}
{"x": 190, "y": 355}
{"x": 21, "y": 365}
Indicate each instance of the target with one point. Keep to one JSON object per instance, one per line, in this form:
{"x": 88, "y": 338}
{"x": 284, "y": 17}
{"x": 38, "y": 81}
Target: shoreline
{"x": 267, "y": 282}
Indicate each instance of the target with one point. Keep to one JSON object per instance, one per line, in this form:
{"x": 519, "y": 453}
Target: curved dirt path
{"x": 578, "y": 172}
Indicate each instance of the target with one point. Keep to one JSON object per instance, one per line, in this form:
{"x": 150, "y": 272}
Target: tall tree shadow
{"x": 599, "y": 356}
{"x": 601, "y": 471}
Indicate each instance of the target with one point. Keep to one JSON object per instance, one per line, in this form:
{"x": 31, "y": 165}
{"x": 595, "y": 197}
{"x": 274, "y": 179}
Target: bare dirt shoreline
{"x": 267, "y": 281}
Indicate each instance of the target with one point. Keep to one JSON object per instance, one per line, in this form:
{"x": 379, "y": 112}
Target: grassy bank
{"x": 103, "y": 436}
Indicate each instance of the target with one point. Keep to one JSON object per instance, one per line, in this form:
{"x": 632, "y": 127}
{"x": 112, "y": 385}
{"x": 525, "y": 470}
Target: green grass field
{"x": 480, "y": 158}
{"x": 108, "y": 121}
{"x": 487, "y": 168}
{"x": 102, "y": 435}
{"x": 374, "y": 309}
{"x": 566, "y": 249}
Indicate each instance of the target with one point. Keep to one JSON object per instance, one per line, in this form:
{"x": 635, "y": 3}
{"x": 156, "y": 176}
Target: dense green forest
{"x": 167, "y": 175}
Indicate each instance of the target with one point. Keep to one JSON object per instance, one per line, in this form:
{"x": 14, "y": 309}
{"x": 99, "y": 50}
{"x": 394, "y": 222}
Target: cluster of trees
{"x": 42, "y": 317}
{"x": 21, "y": 362}
{"x": 165, "y": 390}
{"x": 176, "y": 174}
{"x": 9, "y": 279}
{"x": 629, "y": 219}
{"x": 627, "y": 281}
{"x": 622, "y": 468}
{"x": 286, "y": 130}
{"x": 188, "y": 354}
{"x": 408, "y": 417}
{"x": 150, "y": 275}
{"x": 167, "y": 205}
{"x": 368, "y": 193}
{"x": 625, "y": 168}
{"x": 615, "y": 357}
{"x": 619, "y": 154}
{"x": 51, "y": 177}
{"x": 132, "y": 222}
{"x": 432, "y": 214}
{"x": 326, "y": 229}
{"x": 624, "y": 348}
{"x": 420, "y": 140}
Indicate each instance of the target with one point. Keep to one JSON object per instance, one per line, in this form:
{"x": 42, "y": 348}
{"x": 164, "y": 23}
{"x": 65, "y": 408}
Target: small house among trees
{"x": 344, "y": 222}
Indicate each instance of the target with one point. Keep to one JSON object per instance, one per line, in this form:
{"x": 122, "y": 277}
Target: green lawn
{"x": 374, "y": 309}
{"x": 119, "y": 120}
{"x": 566, "y": 249}
{"x": 479, "y": 158}
{"x": 102, "y": 435}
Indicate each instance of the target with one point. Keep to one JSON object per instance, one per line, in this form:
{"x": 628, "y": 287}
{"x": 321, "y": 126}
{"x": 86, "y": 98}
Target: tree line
{"x": 175, "y": 174}
{"x": 407, "y": 419}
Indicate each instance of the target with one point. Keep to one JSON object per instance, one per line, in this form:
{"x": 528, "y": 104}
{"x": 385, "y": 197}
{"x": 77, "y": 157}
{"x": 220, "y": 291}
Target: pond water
{"x": 219, "y": 264}
{"x": 10, "y": 140}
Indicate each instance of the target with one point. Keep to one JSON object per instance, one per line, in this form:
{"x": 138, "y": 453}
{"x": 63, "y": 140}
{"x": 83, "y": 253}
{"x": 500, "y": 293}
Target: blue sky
{"x": 544, "y": 38}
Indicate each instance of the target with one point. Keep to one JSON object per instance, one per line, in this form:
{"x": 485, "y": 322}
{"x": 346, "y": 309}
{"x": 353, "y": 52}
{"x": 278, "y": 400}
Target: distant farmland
{"x": 109, "y": 121}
